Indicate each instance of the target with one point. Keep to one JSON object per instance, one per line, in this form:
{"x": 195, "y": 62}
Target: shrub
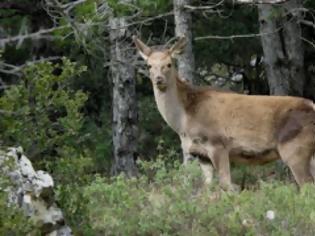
{"x": 42, "y": 112}
{"x": 43, "y": 115}
{"x": 12, "y": 219}
{"x": 173, "y": 201}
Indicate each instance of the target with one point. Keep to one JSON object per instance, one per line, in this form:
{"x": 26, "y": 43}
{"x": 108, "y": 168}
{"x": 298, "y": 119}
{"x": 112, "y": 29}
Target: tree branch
{"x": 6, "y": 68}
{"x": 261, "y": 1}
{"x": 309, "y": 42}
{"x": 36, "y": 35}
{"x": 204, "y": 8}
{"x": 236, "y": 36}
{"x": 308, "y": 23}
{"x": 148, "y": 19}
{"x": 20, "y": 7}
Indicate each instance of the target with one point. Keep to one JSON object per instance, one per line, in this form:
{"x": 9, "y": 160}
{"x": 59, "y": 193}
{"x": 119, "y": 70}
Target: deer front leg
{"x": 206, "y": 167}
{"x": 187, "y": 157}
{"x": 221, "y": 162}
{"x": 221, "y": 158}
{"x": 186, "y": 144}
{"x": 207, "y": 170}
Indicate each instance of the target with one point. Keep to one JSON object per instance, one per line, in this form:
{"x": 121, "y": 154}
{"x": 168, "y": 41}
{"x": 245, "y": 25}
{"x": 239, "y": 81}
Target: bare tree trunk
{"x": 124, "y": 100}
{"x": 283, "y": 49}
{"x": 186, "y": 62}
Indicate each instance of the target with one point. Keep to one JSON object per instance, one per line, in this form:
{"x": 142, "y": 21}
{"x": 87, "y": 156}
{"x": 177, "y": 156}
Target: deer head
{"x": 160, "y": 62}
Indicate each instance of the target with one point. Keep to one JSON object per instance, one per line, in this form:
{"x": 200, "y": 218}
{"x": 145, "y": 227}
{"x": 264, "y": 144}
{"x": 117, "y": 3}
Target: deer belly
{"x": 251, "y": 158}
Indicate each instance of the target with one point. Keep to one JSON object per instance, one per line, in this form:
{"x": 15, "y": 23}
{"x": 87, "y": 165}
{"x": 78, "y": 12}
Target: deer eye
{"x": 169, "y": 65}
{"x": 149, "y": 67}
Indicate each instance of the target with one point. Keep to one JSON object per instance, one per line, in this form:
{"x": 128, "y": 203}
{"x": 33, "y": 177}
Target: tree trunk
{"x": 186, "y": 62}
{"x": 283, "y": 49}
{"x": 124, "y": 124}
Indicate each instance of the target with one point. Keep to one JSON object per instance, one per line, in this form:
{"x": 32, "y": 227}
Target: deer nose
{"x": 159, "y": 80}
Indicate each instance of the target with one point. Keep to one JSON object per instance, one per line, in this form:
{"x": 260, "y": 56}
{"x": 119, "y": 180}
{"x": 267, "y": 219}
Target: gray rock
{"x": 29, "y": 189}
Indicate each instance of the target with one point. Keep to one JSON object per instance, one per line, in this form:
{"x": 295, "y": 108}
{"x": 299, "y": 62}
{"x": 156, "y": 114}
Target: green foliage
{"x": 99, "y": 143}
{"x": 172, "y": 200}
{"x": 134, "y": 207}
{"x": 42, "y": 112}
{"x": 87, "y": 10}
{"x": 44, "y": 117}
{"x": 74, "y": 206}
{"x": 150, "y": 7}
{"x": 120, "y": 8}
{"x": 12, "y": 219}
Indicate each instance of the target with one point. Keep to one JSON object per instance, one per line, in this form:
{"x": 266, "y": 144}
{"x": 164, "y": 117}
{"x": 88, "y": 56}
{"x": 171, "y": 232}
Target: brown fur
{"x": 291, "y": 111}
{"x": 226, "y": 126}
{"x": 191, "y": 95}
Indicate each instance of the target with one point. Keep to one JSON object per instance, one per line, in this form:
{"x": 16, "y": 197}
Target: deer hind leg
{"x": 297, "y": 144}
{"x": 312, "y": 166}
{"x": 297, "y": 154}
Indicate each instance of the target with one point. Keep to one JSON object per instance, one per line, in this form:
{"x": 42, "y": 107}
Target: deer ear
{"x": 143, "y": 49}
{"x": 178, "y": 47}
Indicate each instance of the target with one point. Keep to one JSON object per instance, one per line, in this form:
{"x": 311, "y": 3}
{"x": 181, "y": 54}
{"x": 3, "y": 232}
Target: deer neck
{"x": 170, "y": 106}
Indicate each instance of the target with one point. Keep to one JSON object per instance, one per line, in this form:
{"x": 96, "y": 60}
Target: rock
{"x": 270, "y": 215}
{"x": 256, "y": 60}
{"x": 210, "y": 78}
{"x": 220, "y": 82}
{"x": 32, "y": 191}
{"x": 237, "y": 77}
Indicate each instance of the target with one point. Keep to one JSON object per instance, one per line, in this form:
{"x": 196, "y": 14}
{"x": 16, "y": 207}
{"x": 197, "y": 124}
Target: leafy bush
{"x": 173, "y": 201}
{"x": 43, "y": 115}
{"x": 170, "y": 199}
{"x": 12, "y": 219}
{"x": 130, "y": 207}
{"x": 42, "y": 112}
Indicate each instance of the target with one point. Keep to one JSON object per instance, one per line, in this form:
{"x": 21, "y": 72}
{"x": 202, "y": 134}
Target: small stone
{"x": 270, "y": 215}
{"x": 27, "y": 198}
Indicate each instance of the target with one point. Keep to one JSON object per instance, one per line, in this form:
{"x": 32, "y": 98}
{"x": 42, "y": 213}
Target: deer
{"x": 225, "y": 126}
